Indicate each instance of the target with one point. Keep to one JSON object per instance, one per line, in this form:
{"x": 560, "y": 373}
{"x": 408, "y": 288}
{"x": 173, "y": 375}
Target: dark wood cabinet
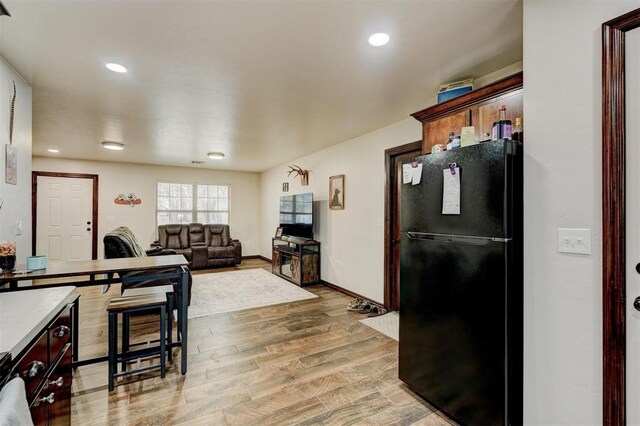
{"x": 437, "y": 131}
{"x": 486, "y": 113}
{"x": 297, "y": 261}
{"x": 478, "y": 108}
{"x": 46, "y": 368}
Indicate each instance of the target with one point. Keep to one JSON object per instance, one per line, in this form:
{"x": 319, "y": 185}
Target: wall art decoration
{"x": 297, "y": 171}
{"x": 10, "y": 164}
{"x": 131, "y": 200}
{"x": 11, "y": 114}
{"x": 336, "y": 192}
{"x": 285, "y": 187}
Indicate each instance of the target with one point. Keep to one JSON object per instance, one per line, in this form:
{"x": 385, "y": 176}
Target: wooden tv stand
{"x": 296, "y": 260}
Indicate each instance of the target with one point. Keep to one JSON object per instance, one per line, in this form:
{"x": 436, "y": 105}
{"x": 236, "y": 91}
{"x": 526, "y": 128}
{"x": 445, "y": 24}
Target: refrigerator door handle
{"x": 460, "y": 239}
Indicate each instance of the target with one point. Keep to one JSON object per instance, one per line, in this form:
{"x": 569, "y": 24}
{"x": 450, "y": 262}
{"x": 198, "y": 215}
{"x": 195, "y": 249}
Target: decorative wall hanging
{"x": 285, "y": 187}
{"x": 297, "y": 171}
{"x": 336, "y": 192}
{"x": 131, "y": 199}
{"x": 11, "y": 165}
{"x": 11, "y": 114}
{"x": 10, "y": 152}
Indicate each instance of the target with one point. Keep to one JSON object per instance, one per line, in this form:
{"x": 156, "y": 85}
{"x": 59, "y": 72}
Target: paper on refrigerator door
{"x": 406, "y": 173}
{"x": 451, "y": 191}
{"x": 416, "y": 174}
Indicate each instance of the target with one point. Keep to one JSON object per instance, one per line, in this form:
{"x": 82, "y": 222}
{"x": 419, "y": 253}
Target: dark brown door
{"x": 395, "y": 157}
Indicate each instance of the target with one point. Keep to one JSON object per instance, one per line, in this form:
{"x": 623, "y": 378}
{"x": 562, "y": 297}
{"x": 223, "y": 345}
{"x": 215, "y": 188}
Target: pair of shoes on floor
{"x": 365, "y": 307}
{"x": 356, "y": 305}
{"x": 376, "y": 311}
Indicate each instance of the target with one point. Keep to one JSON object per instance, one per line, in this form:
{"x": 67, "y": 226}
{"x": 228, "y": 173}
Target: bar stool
{"x": 167, "y": 290}
{"x": 128, "y": 305}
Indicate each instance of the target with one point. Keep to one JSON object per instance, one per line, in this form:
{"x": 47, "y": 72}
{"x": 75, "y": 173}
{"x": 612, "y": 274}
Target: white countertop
{"x": 23, "y": 314}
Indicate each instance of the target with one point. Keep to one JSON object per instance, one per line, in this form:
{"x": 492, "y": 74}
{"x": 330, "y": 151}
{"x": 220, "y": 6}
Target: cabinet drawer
{"x": 59, "y": 333}
{"x": 40, "y": 406}
{"x": 34, "y": 364}
{"x": 59, "y": 383}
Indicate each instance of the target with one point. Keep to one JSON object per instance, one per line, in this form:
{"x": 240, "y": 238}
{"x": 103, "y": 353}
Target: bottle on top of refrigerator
{"x": 501, "y": 128}
{"x": 518, "y": 131}
{"x": 451, "y": 135}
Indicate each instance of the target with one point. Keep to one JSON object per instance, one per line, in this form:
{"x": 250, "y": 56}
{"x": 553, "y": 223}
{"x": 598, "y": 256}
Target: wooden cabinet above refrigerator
{"x": 478, "y": 108}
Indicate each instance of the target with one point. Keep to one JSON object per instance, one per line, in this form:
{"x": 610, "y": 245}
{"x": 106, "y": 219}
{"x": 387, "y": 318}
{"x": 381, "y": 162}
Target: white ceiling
{"x": 263, "y": 81}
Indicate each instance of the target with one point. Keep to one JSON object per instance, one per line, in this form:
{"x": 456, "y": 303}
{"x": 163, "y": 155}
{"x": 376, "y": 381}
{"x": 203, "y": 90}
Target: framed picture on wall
{"x": 336, "y": 192}
{"x": 11, "y": 165}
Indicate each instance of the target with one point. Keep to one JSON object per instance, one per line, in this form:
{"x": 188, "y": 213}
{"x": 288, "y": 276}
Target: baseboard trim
{"x": 256, "y": 256}
{"x": 347, "y": 292}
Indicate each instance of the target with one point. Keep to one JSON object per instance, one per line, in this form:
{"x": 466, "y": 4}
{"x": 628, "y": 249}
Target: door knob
{"x": 88, "y": 222}
{"x": 636, "y": 303}
{"x": 88, "y": 229}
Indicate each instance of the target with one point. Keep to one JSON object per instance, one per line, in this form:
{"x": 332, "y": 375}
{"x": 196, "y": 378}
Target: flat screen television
{"x": 296, "y": 215}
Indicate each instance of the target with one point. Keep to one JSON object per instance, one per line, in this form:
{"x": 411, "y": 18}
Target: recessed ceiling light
{"x": 215, "y": 155}
{"x": 379, "y": 39}
{"x": 115, "y": 67}
{"x": 53, "y": 150}
{"x": 114, "y": 146}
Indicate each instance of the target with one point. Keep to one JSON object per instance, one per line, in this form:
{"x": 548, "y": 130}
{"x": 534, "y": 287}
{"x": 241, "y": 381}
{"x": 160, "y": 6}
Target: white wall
{"x": 17, "y": 198}
{"x": 117, "y": 178}
{"x": 352, "y": 240}
{"x": 563, "y": 316}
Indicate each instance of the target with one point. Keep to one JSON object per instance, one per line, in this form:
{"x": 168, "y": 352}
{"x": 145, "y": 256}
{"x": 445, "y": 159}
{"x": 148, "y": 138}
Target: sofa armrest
{"x": 155, "y": 244}
{"x": 159, "y": 251}
{"x": 237, "y": 249}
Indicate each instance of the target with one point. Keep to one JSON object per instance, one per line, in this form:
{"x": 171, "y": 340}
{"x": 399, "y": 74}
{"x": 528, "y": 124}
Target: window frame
{"x": 194, "y": 206}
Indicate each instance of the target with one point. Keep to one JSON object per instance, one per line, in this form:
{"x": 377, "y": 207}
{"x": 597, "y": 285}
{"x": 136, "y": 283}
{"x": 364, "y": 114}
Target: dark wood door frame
{"x": 613, "y": 216}
{"x": 390, "y": 180}
{"x": 34, "y": 206}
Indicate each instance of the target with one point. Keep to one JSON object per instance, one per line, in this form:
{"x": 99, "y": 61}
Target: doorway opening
{"x": 393, "y": 168}
{"x": 64, "y": 223}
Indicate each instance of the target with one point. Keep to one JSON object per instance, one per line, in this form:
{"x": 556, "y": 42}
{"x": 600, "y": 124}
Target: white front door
{"x": 64, "y": 218}
{"x": 632, "y": 237}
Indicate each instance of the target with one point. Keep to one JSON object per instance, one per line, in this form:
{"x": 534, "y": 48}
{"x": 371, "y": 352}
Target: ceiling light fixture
{"x": 114, "y": 146}
{"x": 215, "y": 155}
{"x": 54, "y": 150}
{"x": 379, "y": 39}
{"x": 115, "y": 67}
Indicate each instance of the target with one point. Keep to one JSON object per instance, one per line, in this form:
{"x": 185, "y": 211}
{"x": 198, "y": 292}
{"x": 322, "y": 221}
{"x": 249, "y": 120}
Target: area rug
{"x": 223, "y": 292}
{"x": 387, "y": 324}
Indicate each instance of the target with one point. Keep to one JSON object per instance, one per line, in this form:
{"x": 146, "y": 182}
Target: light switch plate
{"x": 576, "y": 241}
{"x": 18, "y": 227}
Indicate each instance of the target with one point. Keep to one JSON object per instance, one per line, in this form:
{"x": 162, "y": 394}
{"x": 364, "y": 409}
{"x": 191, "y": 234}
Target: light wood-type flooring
{"x": 308, "y": 362}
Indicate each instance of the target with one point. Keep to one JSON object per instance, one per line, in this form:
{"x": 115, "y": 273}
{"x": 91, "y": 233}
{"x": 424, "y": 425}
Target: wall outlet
{"x": 18, "y": 227}
{"x": 576, "y": 241}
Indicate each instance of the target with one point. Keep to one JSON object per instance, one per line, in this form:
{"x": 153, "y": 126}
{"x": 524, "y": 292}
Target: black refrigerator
{"x": 461, "y": 285}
